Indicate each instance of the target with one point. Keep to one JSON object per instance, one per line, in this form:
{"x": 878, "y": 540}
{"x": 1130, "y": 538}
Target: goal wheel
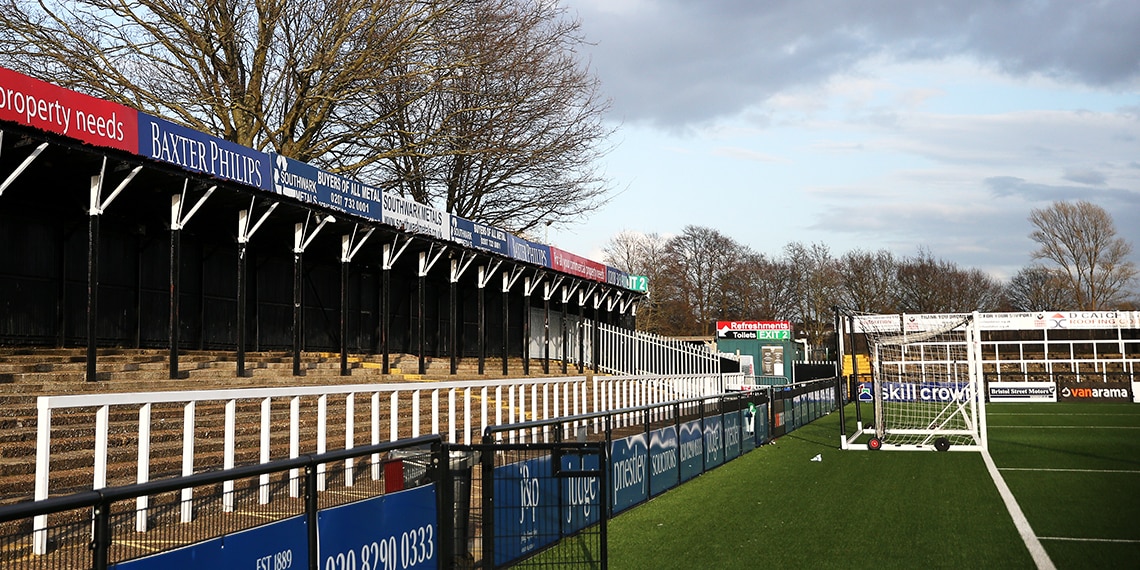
{"x": 875, "y": 444}
{"x": 942, "y": 444}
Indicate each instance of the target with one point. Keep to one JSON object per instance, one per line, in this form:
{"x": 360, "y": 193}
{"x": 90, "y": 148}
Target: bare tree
{"x": 1037, "y": 288}
{"x": 695, "y": 264}
{"x": 351, "y": 85}
{"x": 761, "y": 289}
{"x": 869, "y": 281}
{"x": 641, "y": 254}
{"x": 930, "y": 285}
{"x": 816, "y": 282}
{"x": 1080, "y": 239}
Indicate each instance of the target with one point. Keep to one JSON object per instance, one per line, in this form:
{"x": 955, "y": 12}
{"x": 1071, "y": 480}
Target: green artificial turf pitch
{"x": 859, "y": 509}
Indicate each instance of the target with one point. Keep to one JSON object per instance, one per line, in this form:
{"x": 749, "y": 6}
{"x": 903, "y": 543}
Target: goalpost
{"x": 927, "y": 387}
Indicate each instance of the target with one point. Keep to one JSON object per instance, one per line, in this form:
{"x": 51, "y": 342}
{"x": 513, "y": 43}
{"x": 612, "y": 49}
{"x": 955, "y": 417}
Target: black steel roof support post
{"x": 421, "y": 304}
{"x": 565, "y": 340}
{"x": 240, "y": 340}
{"x": 546, "y": 330}
{"x": 506, "y": 320}
{"x": 581, "y": 333}
{"x": 482, "y": 310}
{"x": 385, "y": 315}
{"x": 427, "y": 261}
{"x": 244, "y": 233}
{"x": 452, "y": 313}
{"x": 298, "y": 299}
{"x": 175, "y": 290}
{"x": 526, "y": 328}
{"x": 92, "y": 293}
{"x": 344, "y": 317}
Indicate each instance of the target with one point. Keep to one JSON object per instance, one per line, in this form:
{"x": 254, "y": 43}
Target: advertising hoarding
{"x": 415, "y": 218}
{"x": 1022, "y": 391}
{"x": 44, "y": 106}
{"x": 383, "y": 530}
{"x": 306, "y": 183}
{"x": 477, "y": 235}
{"x": 282, "y": 545}
{"x": 161, "y": 140}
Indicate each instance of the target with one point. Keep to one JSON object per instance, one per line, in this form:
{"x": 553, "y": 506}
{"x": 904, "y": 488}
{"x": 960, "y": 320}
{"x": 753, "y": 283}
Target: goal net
{"x": 926, "y": 385}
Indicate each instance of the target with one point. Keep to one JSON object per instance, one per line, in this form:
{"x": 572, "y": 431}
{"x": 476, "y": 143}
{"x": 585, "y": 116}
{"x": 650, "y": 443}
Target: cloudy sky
{"x": 894, "y": 124}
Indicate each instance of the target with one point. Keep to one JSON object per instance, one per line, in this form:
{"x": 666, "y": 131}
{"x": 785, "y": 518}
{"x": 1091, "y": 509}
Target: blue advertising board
{"x": 526, "y": 509}
{"x": 629, "y": 458}
{"x": 748, "y": 421}
{"x": 581, "y": 501}
{"x": 664, "y": 467}
{"x": 283, "y": 545}
{"x": 474, "y": 234}
{"x": 198, "y": 152}
{"x": 731, "y": 435}
{"x": 528, "y": 251}
{"x": 916, "y": 392}
{"x": 617, "y": 277}
{"x": 396, "y": 530}
{"x": 714, "y": 442}
{"x": 306, "y": 183}
{"x": 692, "y": 450}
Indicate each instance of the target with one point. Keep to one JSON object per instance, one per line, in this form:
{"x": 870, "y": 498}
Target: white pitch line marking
{"x": 1071, "y": 539}
{"x": 1040, "y": 557}
{"x": 1063, "y": 427}
{"x": 1130, "y": 471}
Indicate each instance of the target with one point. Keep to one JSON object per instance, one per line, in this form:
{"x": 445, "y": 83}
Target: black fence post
{"x": 311, "y": 512}
{"x": 101, "y": 539}
{"x": 445, "y": 503}
{"x": 488, "y": 492}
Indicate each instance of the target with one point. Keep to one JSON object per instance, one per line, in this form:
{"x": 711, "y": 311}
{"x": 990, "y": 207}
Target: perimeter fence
{"x": 534, "y": 494}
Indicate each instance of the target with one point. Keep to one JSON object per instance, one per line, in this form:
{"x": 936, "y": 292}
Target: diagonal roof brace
{"x": 585, "y": 294}
{"x": 349, "y": 246}
{"x": 613, "y": 302}
{"x": 459, "y": 266}
{"x": 531, "y": 284}
{"x": 98, "y": 205}
{"x": 177, "y": 220}
{"x": 429, "y": 258}
{"x": 301, "y": 237}
{"x": 599, "y": 299}
{"x": 389, "y": 258}
{"x": 568, "y": 292}
{"x": 245, "y": 232}
{"x": 623, "y": 305}
{"x": 23, "y": 165}
{"x": 510, "y": 277}
{"x": 551, "y": 287}
{"x": 486, "y": 273}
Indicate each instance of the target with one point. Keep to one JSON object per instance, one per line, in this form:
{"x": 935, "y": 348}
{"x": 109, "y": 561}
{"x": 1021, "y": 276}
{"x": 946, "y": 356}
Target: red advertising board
{"x": 44, "y": 106}
{"x": 567, "y": 262}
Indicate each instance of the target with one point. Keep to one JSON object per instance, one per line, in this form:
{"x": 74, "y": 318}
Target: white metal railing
{"x": 624, "y": 351}
{"x": 498, "y": 401}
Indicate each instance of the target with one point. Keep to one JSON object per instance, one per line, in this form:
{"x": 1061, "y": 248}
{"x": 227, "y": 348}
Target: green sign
{"x": 639, "y": 283}
{"x": 774, "y": 335}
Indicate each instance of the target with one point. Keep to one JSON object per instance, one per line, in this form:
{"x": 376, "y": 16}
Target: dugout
{"x": 109, "y": 248}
